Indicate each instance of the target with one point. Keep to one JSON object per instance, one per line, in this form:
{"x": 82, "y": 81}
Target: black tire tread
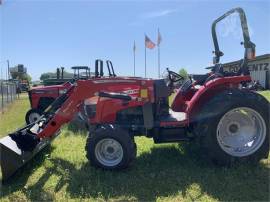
{"x": 122, "y": 136}
{"x": 218, "y": 106}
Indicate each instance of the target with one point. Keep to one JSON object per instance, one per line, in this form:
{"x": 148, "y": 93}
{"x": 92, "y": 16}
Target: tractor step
{"x": 167, "y": 135}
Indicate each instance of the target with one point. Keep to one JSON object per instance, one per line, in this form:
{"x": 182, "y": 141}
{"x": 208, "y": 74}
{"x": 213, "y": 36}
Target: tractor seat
{"x": 173, "y": 119}
{"x": 178, "y": 103}
{"x": 174, "y": 116}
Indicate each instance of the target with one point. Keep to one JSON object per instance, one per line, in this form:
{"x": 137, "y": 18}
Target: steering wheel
{"x": 174, "y": 77}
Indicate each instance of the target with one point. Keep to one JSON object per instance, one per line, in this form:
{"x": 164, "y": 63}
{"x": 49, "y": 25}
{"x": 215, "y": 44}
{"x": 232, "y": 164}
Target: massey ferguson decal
{"x": 131, "y": 91}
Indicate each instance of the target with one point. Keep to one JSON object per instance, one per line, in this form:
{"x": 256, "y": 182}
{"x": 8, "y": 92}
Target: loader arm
{"x": 75, "y": 97}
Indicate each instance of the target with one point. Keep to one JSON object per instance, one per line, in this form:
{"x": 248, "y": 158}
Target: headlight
{"x": 61, "y": 92}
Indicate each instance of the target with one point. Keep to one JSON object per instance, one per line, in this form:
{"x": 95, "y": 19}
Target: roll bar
{"x": 248, "y": 45}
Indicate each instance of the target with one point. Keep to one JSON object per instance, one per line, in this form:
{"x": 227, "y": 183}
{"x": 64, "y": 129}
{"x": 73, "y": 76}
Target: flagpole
{"x": 158, "y": 62}
{"x": 158, "y": 44}
{"x": 134, "y": 65}
{"x": 144, "y": 60}
{"x": 134, "y": 62}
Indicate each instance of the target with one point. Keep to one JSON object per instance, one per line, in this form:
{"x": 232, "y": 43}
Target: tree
{"x": 183, "y": 73}
{"x": 21, "y": 76}
{"x": 47, "y": 75}
{"x": 27, "y": 77}
{"x": 50, "y": 75}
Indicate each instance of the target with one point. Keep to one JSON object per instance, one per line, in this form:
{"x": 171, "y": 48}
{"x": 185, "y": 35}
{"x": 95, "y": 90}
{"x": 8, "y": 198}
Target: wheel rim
{"x": 34, "y": 117}
{"x": 109, "y": 152}
{"x": 241, "y": 131}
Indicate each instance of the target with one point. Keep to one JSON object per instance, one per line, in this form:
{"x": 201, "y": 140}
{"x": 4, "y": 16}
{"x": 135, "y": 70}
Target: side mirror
{"x": 250, "y": 53}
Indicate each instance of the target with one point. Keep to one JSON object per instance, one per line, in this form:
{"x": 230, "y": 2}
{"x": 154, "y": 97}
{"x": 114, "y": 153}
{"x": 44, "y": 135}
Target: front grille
{"x": 30, "y": 97}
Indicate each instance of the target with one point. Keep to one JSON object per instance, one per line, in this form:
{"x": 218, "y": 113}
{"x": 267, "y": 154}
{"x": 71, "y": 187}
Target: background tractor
{"x": 41, "y": 97}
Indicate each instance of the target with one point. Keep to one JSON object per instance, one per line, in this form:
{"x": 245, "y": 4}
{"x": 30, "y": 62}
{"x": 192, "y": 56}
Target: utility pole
{"x": 8, "y": 69}
{"x": 1, "y": 76}
{"x": 7, "y": 74}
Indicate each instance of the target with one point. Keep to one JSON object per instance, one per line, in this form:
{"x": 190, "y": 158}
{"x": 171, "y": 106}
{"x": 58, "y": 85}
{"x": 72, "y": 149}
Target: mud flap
{"x": 12, "y": 157}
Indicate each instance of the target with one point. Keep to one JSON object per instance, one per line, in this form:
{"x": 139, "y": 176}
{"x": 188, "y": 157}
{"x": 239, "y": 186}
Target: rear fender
{"x": 209, "y": 90}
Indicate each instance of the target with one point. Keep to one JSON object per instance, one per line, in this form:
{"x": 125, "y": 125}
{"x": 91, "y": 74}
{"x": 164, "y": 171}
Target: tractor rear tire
{"x": 32, "y": 115}
{"x": 228, "y": 122}
{"x": 110, "y": 147}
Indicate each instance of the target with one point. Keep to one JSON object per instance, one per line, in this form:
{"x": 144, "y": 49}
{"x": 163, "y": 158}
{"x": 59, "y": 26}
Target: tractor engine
{"x": 110, "y": 109}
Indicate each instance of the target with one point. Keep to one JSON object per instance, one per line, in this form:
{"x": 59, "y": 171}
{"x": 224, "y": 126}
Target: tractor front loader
{"x": 231, "y": 122}
{"x": 19, "y": 147}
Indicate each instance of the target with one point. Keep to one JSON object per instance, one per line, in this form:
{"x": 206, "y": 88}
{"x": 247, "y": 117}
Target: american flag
{"x": 148, "y": 43}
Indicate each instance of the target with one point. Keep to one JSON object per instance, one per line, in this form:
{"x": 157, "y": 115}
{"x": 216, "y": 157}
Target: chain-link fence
{"x": 8, "y": 93}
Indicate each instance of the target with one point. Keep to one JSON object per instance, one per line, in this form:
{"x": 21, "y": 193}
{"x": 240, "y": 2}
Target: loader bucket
{"x": 12, "y": 157}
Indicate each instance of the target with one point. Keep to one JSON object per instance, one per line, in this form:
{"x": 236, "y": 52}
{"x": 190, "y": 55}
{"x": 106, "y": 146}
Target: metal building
{"x": 259, "y": 69}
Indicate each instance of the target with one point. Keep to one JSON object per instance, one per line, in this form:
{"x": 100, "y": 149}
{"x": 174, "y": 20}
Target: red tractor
{"x": 231, "y": 122}
{"x": 41, "y": 97}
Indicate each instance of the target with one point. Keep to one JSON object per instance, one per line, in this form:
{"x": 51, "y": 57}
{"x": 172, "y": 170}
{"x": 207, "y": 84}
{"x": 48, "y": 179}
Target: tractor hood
{"x": 50, "y": 88}
{"x": 54, "y": 87}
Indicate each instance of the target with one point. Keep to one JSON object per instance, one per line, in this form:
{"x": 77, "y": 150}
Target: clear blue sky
{"x": 44, "y": 35}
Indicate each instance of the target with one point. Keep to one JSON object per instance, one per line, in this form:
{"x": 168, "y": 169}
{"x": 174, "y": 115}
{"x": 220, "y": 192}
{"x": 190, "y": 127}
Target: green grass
{"x": 266, "y": 94}
{"x": 13, "y": 116}
{"x": 170, "y": 172}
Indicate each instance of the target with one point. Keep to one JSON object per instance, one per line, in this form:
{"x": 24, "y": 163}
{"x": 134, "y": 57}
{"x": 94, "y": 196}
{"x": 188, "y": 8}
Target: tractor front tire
{"x": 234, "y": 127}
{"x": 110, "y": 147}
{"x": 32, "y": 115}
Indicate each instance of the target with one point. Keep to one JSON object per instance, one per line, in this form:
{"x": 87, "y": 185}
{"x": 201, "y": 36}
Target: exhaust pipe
{"x": 14, "y": 152}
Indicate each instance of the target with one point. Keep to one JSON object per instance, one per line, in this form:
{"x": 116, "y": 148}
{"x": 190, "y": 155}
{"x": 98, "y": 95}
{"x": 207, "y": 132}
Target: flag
{"x": 159, "y": 39}
{"x": 134, "y": 47}
{"x": 148, "y": 43}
